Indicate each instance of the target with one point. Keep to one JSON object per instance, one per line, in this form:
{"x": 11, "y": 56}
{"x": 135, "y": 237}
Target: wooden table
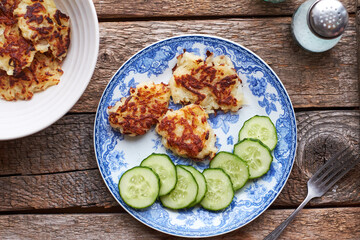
{"x": 51, "y": 186}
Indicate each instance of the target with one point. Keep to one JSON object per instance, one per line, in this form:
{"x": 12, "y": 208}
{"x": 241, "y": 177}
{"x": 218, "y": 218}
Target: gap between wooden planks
{"x": 327, "y": 79}
{"x": 327, "y": 223}
{"x": 188, "y": 8}
{"x": 56, "y": 168}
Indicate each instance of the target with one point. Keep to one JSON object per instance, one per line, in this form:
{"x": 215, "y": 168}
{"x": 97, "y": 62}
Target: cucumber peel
{"x": 139, "y": 187}
{"x": 235, "y": 167}
{"x": 162, "y": 165}
{"x": 262, "y": 128}
{"x": 256, "y": 154}
{"x": 220, "y": 191}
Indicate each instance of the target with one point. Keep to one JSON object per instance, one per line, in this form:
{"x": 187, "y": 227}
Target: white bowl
{"x": 22, "y": 118}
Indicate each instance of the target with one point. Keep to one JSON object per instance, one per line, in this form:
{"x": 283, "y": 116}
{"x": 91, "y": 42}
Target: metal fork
{"x": 321, "y": 182}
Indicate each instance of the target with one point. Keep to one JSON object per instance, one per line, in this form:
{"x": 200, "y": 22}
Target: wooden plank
{"x": 65, "y": 146}
{"x": 32, "y": 183}
{"x": 52, "y": 191}
{"x": 358, "y": 38}
{"x": 320, "y": 135}
{"x": 313, "y": 80}
{"x": 327, "y": 223}
{"x": 188, "y": 8}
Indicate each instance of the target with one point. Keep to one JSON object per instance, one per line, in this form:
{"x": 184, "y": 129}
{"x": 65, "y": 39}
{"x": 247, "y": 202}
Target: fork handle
{"x": 276, "y": 233}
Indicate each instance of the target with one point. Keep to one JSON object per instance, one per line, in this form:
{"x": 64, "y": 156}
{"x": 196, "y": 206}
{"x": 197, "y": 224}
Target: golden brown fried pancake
{"x": 187, "y": 133}
{"x": 16, "y": 52}
{"x": 44, "y": 72}
{"x": 8, "y": 6}
{"x": 212, "y": 84}
{"x": 43, "y": 24}
{"x": 136, "y": 114}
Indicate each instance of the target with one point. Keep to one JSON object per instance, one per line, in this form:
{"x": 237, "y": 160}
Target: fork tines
{"x": 334, "y": 169}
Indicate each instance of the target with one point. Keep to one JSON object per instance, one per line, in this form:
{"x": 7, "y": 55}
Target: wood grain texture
{"x": 190, "y": 8}
{"x": 358, "y": 41}
{"x": 65, "y": 146}
{"x": 327, "y": 79}
{"x": 57, "y": 175}
{"x": 338, "y": 223}
{"x": 52, "y": 191}
{"x": 320, "y": 135}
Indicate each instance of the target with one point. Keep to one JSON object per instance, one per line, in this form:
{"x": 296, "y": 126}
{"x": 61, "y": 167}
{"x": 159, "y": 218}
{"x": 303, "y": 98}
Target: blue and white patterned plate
{"x": 264, "y": 95}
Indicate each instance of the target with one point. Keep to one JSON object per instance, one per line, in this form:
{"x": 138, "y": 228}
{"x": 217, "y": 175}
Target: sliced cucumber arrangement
{"x": 183, "y": 186}
{"x": 201, "y": 182}
{"x": 185, "y": 191}
{"x": 234, "y": 166}
{"x": 220, "y": 192}
{"x": 162, "y": 165}
{"x": 262, "y": 128}
{"x": 139, "y": 187}
{"x": 257, "y": 156}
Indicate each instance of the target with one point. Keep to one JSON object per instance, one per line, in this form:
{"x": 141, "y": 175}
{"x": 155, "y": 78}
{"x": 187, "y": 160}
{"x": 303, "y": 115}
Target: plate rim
{"x": 207, "y": 36}
{"x": 92, "y": 67}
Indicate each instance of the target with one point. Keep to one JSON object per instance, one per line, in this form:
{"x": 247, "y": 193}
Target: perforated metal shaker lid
{"x": 328, "y": 18}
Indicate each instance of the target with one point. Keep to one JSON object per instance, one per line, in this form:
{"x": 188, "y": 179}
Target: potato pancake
{"x": 187, "y": 133}
{"x": 136, "y": 114}
{"x": 212, "y": 84}
{"x": 16, "y": 53}
{"x": 34, "y": 38}
{"x": 7, "y": 7}
{"x": 44, "y": 72}
{"x": 43, "y": 24}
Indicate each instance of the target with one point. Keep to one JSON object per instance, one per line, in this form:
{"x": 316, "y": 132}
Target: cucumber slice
{"x": 236, "y": 168}
{"x": 200, "y": 180}
{"x": 162, "y": 165}
{"x": 184, "y": 193}
{"x": 256, "y": 154}
{"x": 262, "y": 128}
{"x": 220, "y": 192}
{"x": 139, "y": 187}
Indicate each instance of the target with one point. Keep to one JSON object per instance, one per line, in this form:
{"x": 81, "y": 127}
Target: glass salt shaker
{"x": 317, "y": 25}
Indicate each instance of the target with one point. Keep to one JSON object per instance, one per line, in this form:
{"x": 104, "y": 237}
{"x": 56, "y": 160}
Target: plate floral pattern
{"x": 264, "y": 95}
